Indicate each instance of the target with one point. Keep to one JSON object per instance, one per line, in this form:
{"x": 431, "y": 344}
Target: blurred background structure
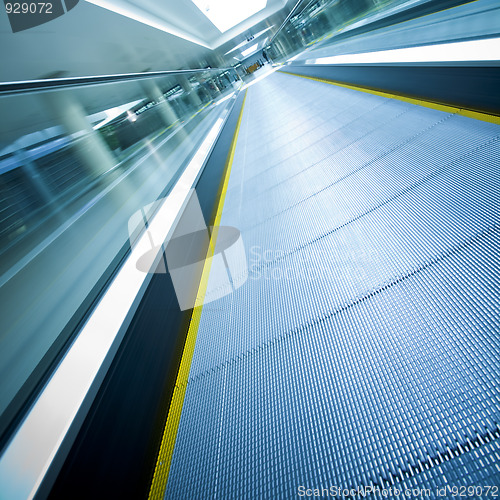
{"x": 355, "y": 146}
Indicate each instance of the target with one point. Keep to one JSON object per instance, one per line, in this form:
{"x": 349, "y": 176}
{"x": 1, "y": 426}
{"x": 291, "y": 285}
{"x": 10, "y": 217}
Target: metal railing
{"x": 20, "y": 87}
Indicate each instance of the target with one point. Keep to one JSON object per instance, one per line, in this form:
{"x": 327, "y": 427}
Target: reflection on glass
{"x": 75, "y": 164}
{"x": 317, "y": 20}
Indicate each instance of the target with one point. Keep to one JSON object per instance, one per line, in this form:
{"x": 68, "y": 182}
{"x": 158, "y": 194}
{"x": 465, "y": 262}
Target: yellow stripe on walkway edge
{"x": 420, "y": 102}
{"x": 162, "y": 468}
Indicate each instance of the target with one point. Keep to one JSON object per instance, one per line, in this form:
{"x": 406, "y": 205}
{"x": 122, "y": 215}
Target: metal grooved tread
{"x": 364, "y": 347}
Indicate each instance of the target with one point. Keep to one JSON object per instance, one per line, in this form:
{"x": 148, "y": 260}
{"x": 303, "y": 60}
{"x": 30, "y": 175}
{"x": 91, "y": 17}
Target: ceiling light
{"x": 224, "y": 14}
{"x": 250, "y": 50}
{"x": 471, "y": 50}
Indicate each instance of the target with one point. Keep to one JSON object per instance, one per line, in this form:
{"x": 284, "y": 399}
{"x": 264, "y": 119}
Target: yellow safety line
{"x": 420, "y": 102}
{"x": 162, "y": 468}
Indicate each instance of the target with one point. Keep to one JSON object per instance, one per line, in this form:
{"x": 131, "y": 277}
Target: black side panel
{"x": 115, "y": 451}
{"x": 470, "y": 87}
{"x": 209, "y": 184}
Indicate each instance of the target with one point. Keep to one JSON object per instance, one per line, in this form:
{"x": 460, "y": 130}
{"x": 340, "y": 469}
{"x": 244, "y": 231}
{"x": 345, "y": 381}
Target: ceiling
{"x": 93, "y": 40}
{"x": 185, "y": 19}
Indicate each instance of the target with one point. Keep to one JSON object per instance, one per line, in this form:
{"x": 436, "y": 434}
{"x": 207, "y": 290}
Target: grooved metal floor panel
{"x": 363, "y": 350}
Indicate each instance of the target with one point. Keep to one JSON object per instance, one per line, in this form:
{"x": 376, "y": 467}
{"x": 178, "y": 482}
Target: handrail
{"x": 290, "y": 14}
{"x": 21, "y": 87}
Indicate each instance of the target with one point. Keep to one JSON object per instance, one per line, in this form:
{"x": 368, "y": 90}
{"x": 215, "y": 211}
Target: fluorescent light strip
{"x": 250, "y": 50}
{"x": 473, "y": 50}
{"x": 32, "y": 449}
{"x": 127, "y": 10}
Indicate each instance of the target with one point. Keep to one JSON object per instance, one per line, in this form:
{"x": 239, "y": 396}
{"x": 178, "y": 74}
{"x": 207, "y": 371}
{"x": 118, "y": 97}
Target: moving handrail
{"x": 283, "y": 24}
{"x": 24, "y": 86}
